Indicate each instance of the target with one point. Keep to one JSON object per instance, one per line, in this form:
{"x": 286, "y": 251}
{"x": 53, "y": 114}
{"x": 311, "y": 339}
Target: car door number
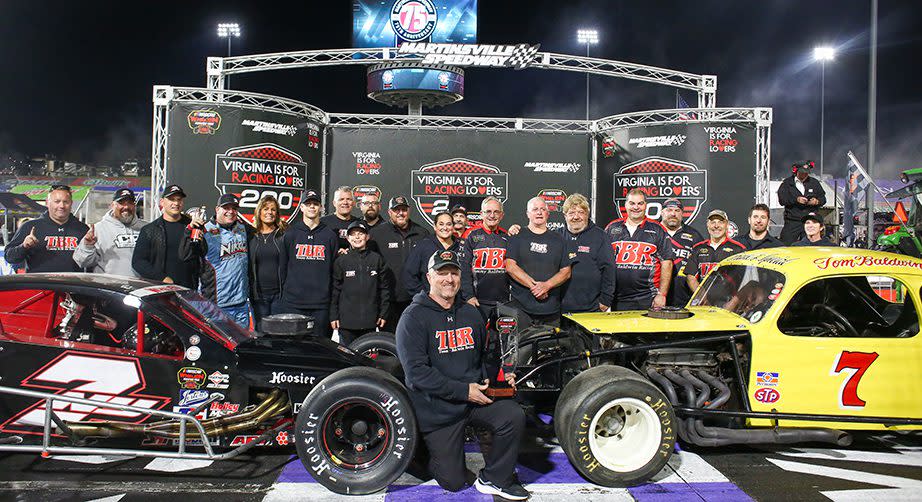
{"x": 855, "y": 365}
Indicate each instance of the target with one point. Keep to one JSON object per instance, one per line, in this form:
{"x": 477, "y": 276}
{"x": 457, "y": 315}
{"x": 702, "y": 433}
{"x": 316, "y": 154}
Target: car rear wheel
{"x": 356, "y": 431}
{"x": 615, "y": 427}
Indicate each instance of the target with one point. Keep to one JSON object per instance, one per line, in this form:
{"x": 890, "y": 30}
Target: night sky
{"x": 78, "y": 75}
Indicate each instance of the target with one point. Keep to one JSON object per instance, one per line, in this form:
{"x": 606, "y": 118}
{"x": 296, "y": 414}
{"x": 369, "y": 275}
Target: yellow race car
{"x": 782, "y": 345}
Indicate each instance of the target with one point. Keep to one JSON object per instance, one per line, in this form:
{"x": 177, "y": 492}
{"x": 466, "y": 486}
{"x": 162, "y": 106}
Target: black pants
{"x": 791, "y": 232}
{"x": 347, "y": 336}
{"x": 397, "y": 309}
{"x": 446, "y": 445}
{"x": 642, "y": 304}
{"x": 552, "y": 319}
{"x": 321, "y": 318}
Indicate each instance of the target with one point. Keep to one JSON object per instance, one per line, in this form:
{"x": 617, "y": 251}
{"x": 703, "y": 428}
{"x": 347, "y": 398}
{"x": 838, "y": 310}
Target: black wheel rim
{"x": 356, "y": 434}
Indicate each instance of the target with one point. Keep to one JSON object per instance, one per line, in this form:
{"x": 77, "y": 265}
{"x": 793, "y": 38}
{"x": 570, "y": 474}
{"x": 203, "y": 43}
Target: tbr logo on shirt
{"x": 454, "y": 340}
{"x": 310, "y": 252}
{"x": 582, "y": 249}
{"x": 350, "y": 273}
{"x": 634, "y": 253}
{"x": 490, "y": 259}
{"x": 538, "y": 248}
{"x": 60, "y": 243}
{"x": 393, "y": 245}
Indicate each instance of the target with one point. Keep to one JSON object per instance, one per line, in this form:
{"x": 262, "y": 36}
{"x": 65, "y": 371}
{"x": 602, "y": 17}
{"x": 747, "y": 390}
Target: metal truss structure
{"x": 219, "y": 68}
{"x": 457, "y": 123}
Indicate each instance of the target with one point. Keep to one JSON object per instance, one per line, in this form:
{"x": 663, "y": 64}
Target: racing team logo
{"x": 436, "y": 186}
{"x": 554, "y": 198}
{"x": 413, "y": 20}
{"x": 660, "y": 179}
{"x": 253, "y": 171}
{"x": 360, "y": 191}
{"x": 204, "y": 121}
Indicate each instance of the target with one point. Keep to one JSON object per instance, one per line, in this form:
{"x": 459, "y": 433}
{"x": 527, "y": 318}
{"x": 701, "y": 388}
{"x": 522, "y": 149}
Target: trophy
{"x": 200, "y": 213}
{"x": 508, "y": 340}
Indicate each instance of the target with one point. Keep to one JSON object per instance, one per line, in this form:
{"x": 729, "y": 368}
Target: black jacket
{"x": 788, "y": 194}
{"x": 766, "y": 243}
{"x": 361, "y": 290}
{"x": 307, "y": 265}
{"x": 824, "y": 241}
{"x": 149, "y": 259}
{"x": 56, "y": 244}
{"x": 395, "y": 246}
{"x": 255, "y": 243}
{"x": 441, "y": 351}
{"x": 339, "y": 227}
{"x": 593, "y": 274}
{"x": 417, "y": 264}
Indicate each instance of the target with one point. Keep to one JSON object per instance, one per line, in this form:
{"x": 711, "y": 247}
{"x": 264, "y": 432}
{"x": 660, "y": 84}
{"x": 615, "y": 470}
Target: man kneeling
{"x": 440, "y": 343}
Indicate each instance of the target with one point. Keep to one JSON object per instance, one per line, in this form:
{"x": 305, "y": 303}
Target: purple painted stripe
{"x": 692, "y": 492}
{"x": 294, "y": 472}
{"x": 547, "y": 469}
{"x": 431, "y": 493}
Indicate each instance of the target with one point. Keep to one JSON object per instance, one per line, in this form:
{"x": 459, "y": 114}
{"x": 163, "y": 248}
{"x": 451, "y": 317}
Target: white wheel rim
{"x": 634, "y": 444}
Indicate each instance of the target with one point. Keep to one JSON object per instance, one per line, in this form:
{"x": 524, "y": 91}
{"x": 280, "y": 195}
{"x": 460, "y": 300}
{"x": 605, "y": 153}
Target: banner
{"x": 706, "y": 166}
{"x": 438, "y": 169}
{"x": 216, "y": 149}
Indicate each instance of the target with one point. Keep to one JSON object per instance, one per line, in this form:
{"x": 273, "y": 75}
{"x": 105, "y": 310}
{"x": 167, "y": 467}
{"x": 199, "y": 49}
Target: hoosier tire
{"x": 615, "y": 427}
{"x": 356, "y": 431}
{"x": 382, "y": 347}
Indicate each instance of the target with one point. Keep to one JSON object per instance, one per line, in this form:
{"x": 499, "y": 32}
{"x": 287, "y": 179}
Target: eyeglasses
{"x": 60, "y": 187}
{"x": 370, "y": 203}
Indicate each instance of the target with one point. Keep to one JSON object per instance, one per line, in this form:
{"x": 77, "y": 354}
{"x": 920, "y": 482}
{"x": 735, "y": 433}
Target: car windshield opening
{"x": 746, "y": 290}
{"x": 201, "y": 309}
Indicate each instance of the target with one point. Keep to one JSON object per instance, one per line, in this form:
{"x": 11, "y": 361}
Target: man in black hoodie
{"x": 47, "y": 243}
{"x": 306, "y": 261}
{"x": 799, "y": 194}
{"x": 440, "y": 343}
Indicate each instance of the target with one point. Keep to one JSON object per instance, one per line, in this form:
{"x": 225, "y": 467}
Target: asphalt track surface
{"x": 877, "y": 467}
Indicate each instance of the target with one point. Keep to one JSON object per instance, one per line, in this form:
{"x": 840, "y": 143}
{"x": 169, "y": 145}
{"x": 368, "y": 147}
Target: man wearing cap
{"x": 394, "y": 240}
{"x": 485, "y": 246}
{"x": 371, "y": 210}
{"x": 591, "y": 288}
{"x": 306, "y": 261}
{"x": 813, "y": 232}
{"x": 108, "y": 246}
{"x": 684, "y": 238}
{"x": 361, "y": 288}
{"x": 222, "y": 246}
{"x": 538, "y": 262}
{"x": 758, "y": 236}
{"x": 706, "y": 254}
{"x": 441, "y": 344}
{"x": 643, "y": 256}
{"x": 47, "y": 243}
{"x": 339, "y": 220}
{"x": 799, "y": 194}
{"x": 459, "y": 220}
{"x": 156, "y": 253}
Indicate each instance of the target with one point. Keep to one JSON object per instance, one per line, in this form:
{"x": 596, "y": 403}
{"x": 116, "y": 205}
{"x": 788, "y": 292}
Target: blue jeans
{"x": 266, "y": 306}
{"x": 239, "y": 313}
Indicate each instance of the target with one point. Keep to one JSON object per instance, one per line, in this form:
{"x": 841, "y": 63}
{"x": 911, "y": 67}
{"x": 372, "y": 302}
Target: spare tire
{"x": 382, "y": 348}
{"x": 356, "y": 431}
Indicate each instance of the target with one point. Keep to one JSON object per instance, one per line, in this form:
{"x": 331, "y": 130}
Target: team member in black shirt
{"x": 707, "y": 254}
{"x": 341, "y": 218}
{"x": 156, "y": 254}
{"x": 371, "y": 210}
{"x": 485, "y": 245}
{"x": 683, "y": 238}
{"x": 813, "y": 228}
{"x": 538, "y": 264}
{"x": 591, "y": 287}
{"x": 758, "y": 237}
{"x": 361, "y": 288}
{"x": 265, "y": 248}
{"x": 799, "y": 194}
{"x": 47, "y": 243}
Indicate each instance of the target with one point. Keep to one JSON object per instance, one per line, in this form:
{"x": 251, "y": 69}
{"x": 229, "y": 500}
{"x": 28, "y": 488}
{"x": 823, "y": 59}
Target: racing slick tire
{"x": 356, "y": 431}
{"x": 615, "y": 426}
{"x": 382, "y": 347}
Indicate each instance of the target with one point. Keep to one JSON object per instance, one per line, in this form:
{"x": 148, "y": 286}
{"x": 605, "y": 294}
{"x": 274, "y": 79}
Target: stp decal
{"x": 438, "y": 186}
{"x": 660, "y": 178}
{"x": 254, "y": 171}
{"x": 766, "y": 395}
{"x": 107, "y": 378}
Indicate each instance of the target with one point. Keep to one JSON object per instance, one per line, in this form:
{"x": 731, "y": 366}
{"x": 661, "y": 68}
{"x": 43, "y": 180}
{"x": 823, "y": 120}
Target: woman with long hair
{"x": 414, "y": 271}
{"x": 264, "y": 249}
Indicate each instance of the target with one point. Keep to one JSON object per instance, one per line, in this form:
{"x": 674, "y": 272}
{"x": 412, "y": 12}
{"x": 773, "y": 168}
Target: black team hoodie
{"x": 56, "y": 244}
{"x": 306, "y": 264}
{"x": 593, "y": 274}
{"x": 441, "y": 353}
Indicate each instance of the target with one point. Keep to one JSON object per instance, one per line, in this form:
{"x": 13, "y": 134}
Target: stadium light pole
{"x": 588, "y": 37}
{"x": 823, "y": 54}
{"x": 228, "y": 31}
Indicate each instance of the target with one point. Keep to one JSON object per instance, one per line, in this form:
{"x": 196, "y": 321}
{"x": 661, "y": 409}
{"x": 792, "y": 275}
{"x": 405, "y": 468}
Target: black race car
{"x": 76, "y": 336}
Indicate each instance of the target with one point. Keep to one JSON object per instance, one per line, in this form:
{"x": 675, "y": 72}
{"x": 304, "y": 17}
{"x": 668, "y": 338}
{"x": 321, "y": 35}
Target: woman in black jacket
{"x": 414, "y": 270}
{"x": 264, "y": 248}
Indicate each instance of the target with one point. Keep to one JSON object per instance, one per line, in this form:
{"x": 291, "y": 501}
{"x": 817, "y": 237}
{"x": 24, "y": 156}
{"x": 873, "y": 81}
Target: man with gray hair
{"x": 109, "y": 245}
{"x": 591, "y": 287}
{"x": 486, "y": 246}
{"x": 341, "y": 218}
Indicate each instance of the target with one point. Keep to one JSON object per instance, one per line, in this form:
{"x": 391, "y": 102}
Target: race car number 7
{"x": 855, "y": 365}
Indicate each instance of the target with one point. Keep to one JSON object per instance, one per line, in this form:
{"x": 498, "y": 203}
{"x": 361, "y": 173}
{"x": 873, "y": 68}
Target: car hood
{"x": 709, "y": 319}
{"x": 261, "y": 358}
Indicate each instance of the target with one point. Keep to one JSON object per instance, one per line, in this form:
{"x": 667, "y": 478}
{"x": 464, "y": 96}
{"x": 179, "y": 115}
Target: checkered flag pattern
{"x": 654, "y": 166}
{"x": 523, "y": 55}
{"x": 265, "y": 153}
{"x": 458, "y": 166}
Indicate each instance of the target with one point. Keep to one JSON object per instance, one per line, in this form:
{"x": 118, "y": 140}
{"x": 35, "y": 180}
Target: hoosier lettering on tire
{"x": 616, "y": 428}
{"x": 356, "y": 431}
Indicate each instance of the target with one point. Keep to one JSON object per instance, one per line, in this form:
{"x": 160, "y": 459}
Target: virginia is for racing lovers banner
{"x": 215, "y": 149}
{"x": 706, "y": 166}
{"x": 437, "y": 169}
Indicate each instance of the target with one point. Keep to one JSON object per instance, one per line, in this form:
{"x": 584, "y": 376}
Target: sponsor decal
{"x": 193, "y": 353}
{"x": 204, "y": 121}
{"x": 249, "y": 438}
{"x": 282, "y": 438}
{"x": 767, "y": 378}
{"x": 553, "y": 167}
{"x": 187, "y": 410}
{"x": 652, "y": 141}
{"x": 766, "y": 395}
{"x": 721, "y": 139}
{"x": 310, "y": 252}
{"x": 636, "y": 255}
{"x": 757, "y": 316}
{"x": 218, "y": 380}
{"x": 864, "y": 261}
{"x": 194, "y": 340}
{"x": 221, "y": 409}
{"x": 61, "y": 243}
{"x": 443, "y": 80}
{"x": 583, "y": 249}
{"x": 661, "y": 178}
{"x": 554, "y": 198}
{"x": 107, "y": 378}
{"x": 367, "y": 162}
{"x": 413, "y": 20}
{"x": 282, "y": 377}
{"x": 506, "y": 323}
{"x": 454, "y": 340}
{"x": 254, "y": 171}
{"x": 192, "y": 397}
{"x": 270, "y": 127}
{"x": 191, "y": 377}
{"x": 435, "y": 187}
{"x": 156, "y": 290}
{"x": 517, "y": 56}
{"x": 387, "y": 79}
{"x": 360, "y": 191}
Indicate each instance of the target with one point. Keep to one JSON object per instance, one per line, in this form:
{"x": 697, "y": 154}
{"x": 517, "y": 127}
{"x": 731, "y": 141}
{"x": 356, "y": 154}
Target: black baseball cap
{"x": 227, "y": 199}
{"x": 310, "y": 196}
{"x": 398, "y": 201}
{"x": 673, "y": 202}
{"x": 458, "y": 208}
{"x": 122, "y": 194}
{"x": 812, "y": 216}
{"x": 172, "y": 190}
{"x": 441, "y": 259}
{"x": 357, "y": 225}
